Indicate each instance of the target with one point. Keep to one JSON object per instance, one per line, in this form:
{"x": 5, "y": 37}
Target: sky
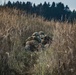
{"x": 70, "y": 3}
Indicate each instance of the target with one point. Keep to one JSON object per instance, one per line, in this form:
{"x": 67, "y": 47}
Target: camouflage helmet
{"x": 38, "y": 39}
{"x": 41, "y": 33}
{"x": 35, "y": 34}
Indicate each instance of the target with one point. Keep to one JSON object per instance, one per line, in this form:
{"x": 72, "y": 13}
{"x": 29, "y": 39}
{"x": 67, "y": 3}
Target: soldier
{"x": 32, "y": 43}
{"x": 46, "y": 40}
{"x": 35, "y": 34}
{"x": 36, "y": 37}
{"x": 42, "y": 35}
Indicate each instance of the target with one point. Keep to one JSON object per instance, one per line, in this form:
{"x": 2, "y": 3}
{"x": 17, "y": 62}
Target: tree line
{"x": 55, "y": 11}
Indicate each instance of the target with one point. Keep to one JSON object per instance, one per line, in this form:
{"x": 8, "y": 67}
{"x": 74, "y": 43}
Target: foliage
{"x": 58, "y": 59}
{"x": 56, "y": 11}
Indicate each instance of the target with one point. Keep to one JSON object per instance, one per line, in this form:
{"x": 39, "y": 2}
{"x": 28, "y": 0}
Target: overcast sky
{"x": 70, "y": 3}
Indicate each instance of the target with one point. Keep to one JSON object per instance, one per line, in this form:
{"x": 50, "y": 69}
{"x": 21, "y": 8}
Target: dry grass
{"x": 16, "y": 26}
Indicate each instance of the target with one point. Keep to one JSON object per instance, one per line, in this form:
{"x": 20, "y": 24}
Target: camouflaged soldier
{"x": 33, "y": 42}
{"x": 31, "y": 45}
{"x": 36, "y": 36}
{"x": 45, "y": 39}
{"x": 42, "y": 35}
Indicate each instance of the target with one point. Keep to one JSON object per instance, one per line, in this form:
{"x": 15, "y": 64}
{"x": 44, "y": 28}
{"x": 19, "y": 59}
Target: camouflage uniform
{"x": 42, "y": 35}
{"x": 36, "y": 37}
{"x": 45, "y": 39}
{"x": 32, "y": 43}
{"x": 37, "y": 41}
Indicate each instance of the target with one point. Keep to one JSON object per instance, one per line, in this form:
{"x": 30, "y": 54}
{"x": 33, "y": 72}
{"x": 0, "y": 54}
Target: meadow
{"x": 16, "y": 26}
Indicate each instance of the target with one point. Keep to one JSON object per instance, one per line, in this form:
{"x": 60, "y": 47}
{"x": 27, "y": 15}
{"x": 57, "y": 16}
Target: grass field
{"x": 16, "y": 27}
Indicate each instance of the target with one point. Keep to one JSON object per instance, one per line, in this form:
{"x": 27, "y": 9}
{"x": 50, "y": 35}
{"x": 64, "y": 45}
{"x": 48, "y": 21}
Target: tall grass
{"x": 16, "y": 26}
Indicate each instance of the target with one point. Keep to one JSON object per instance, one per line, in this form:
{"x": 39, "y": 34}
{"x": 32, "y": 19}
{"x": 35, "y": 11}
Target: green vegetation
{"x": 56, "y": 11}
{"x": 58, "y": 59}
